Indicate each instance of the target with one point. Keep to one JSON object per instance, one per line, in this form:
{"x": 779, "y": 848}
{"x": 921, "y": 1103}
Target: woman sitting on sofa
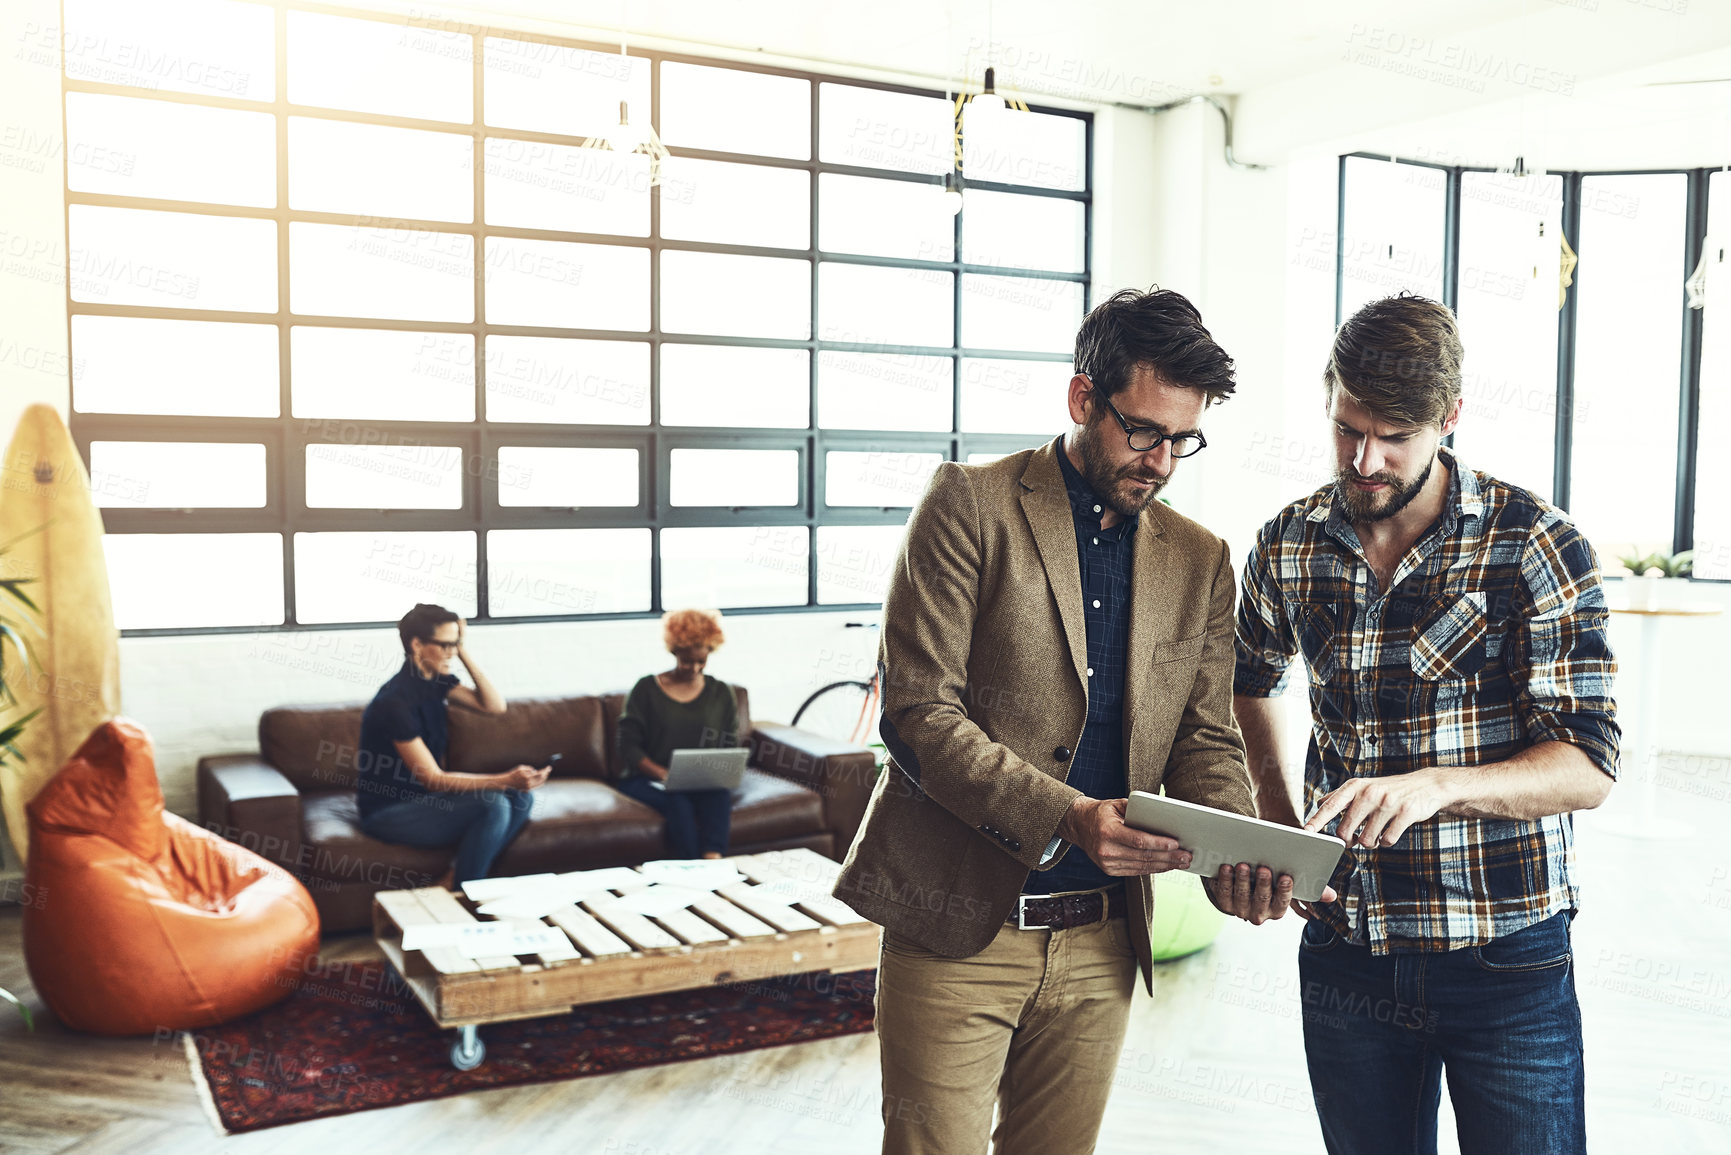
{"x": 681, "y": 709}
{"x": 405, "y": 793}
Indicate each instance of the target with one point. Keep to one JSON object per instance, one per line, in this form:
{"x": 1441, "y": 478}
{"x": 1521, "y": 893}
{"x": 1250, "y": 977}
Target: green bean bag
{"x": 1184, "y": 920}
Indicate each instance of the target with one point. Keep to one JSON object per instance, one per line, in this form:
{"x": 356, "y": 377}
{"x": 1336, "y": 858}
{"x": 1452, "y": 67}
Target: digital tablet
{"x": 1217, "y": 837}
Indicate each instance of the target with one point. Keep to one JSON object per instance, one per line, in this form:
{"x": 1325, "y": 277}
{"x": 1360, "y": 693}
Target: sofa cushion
{"x": 527, "y": 732}
{"x": 771, "y": 809}
{"x": 336, "y": 850}
{"x": 313, "y": 746}
{"x": 578, "y": 824}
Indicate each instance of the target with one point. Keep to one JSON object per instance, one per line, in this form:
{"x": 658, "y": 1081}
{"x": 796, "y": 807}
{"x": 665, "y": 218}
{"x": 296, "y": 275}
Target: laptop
{"x": 717, "y": 769}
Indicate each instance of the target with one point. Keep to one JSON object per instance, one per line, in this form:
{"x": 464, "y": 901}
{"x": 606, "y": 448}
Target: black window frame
{"x": 286, "y": 437}
{"x": 1690, "y": 320}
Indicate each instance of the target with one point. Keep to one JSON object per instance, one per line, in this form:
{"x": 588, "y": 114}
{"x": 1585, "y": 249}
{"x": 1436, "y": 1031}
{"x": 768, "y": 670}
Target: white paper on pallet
{"x": 658, "y": 900}
{"x": 479, "y": 939}
{"x": 698, "y": 873}
{"x": 485, "y": 889}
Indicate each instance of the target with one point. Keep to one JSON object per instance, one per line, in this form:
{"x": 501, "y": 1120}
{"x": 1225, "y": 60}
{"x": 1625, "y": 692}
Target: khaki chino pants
{"x": 1033, "y": 1024}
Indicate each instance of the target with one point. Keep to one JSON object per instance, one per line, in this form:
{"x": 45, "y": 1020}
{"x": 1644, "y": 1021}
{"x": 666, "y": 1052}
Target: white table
{"x": 1644, "y": 822}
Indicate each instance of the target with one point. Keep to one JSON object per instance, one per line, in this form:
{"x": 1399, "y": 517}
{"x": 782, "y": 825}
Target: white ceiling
{"x": 1451, "y": 77}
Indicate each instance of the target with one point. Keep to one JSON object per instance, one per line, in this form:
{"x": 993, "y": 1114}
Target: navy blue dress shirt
{"x": 1097, "y": 766}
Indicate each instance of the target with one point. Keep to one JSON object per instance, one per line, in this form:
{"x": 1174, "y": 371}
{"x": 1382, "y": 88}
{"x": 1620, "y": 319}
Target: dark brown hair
{"x": 420, "y": 622}
{"x": 1400, "y": 358}
{"x": 1160, "y": 329}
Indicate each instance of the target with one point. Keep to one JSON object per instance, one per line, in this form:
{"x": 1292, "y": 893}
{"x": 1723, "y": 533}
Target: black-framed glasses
{"x": 1145, "y": 437}
{"x": 448, "y": 647}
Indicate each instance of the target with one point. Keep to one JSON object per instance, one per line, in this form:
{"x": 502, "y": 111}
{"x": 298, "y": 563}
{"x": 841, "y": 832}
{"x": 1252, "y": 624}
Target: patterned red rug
{"x": 352, "y": 1038}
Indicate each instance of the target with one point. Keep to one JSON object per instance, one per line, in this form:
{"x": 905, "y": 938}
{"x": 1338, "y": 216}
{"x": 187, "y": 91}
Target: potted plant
{"x": 17, "y": 618}
{"x": 1646, "y": 572}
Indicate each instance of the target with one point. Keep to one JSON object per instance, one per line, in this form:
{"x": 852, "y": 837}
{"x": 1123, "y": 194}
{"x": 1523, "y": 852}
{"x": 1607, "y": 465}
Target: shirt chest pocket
{"x": 1450, "y": 637}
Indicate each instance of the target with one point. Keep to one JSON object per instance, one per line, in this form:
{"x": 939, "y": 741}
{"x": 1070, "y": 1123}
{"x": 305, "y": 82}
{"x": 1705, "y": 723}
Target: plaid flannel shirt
{"x": 1490, "y": 639}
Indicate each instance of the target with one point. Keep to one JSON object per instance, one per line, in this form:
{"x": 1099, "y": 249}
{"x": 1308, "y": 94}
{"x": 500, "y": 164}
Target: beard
{"x": 1378, "y": 506}
{"x": 1113, "y": 484}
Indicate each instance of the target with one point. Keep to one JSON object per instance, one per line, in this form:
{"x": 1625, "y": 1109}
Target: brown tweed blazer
{"x": 983, "y": 654}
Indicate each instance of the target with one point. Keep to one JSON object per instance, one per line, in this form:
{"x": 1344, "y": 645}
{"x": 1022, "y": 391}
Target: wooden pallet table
{"x": 781, "y": 921}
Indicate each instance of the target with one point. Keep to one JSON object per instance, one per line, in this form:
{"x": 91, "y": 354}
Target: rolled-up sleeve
{"x": 1265, "y": 641}
{"x": 1564, "y": 694}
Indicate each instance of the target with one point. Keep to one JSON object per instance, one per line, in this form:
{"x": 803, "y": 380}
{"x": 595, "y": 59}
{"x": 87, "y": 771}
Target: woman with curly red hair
{"x": 681, "y": 709}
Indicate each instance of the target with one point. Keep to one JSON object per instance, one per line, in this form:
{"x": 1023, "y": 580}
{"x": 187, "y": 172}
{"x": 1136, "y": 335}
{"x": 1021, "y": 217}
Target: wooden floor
{"x": 1214, "y": 1061}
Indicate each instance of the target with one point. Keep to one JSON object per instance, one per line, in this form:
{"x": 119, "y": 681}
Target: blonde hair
{"x": 681, "y": 628}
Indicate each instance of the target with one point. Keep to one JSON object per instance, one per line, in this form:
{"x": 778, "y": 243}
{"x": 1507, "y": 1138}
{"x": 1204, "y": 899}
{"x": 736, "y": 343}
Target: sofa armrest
{"x": 248, "y": 801}
{"x": 842, "y": 775}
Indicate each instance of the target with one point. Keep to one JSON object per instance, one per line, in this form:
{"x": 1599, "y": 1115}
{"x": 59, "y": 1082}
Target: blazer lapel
{"x": 1152, "y": 615}
{"x": 1046, "y": 504}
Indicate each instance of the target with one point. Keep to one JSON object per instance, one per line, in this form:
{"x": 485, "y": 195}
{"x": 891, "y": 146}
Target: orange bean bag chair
{"x": 145, "y": 921}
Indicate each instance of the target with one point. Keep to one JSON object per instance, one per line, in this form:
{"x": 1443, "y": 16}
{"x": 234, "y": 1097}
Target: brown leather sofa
{"x": 294, "y": 801}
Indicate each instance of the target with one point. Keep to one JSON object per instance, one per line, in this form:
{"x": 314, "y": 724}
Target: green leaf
{"x": 11, "y": 586}
{"x": 6, "y": 547}
{"x": 29, "y": 1021}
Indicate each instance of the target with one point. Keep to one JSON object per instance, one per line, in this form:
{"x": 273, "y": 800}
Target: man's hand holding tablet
{"x": 1233, "y": 854}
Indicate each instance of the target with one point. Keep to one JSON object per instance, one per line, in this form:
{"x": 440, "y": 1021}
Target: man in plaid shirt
{"x": 1454, "y": 629}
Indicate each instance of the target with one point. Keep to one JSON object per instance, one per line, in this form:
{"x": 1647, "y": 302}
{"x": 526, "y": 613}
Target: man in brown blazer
{"x": 1053, "y": 638}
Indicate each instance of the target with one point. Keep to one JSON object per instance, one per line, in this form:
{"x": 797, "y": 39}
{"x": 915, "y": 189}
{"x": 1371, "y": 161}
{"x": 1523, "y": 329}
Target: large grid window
{"x": 1597, "y": 396}
{"x": 358, "y": 320}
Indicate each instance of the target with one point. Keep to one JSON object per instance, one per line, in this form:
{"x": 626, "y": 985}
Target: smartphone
{"x": 553, "y": 763}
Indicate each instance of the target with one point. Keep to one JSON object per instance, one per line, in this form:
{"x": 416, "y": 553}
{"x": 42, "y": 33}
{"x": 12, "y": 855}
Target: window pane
{"x": 382, "y": 374}
{"x": 885, "y": 218}
{"x": 145, "y": 365}
{"x": 380, "y": 66}
{"x": 730, "y": 110}
{"x": 384, "y": 476}
{"x": 884, "y": 391}
{"x": 143, "y": 257}
{"x": 1033, "y": 148}
{"x": 1020, "y": 313}
{"x": 378, "y": 577}
{"x": 561, "y": 478}
{"x": 1020, "y": 232}
{"x": 1511, "y": 230}
{"x": 211, "y": 47}
{"x": 1015, "y": 396}
{"x": 727, "y": 566}
{"x": 1713, "y": 467}
{"x": 871, "y": 128}
{"x": 567, "y": 285}
{"x": 870, "y": 305}
{"x": 1623, "y": 476}
{"x": 878, "y": 477}
{"x": 373, "y": 271}
{"x": 186, "y": 580}
{"x": 537, "y": 572}
{"x": 1394, "y": 231}
{"x": 569, "y": 91}
{"x": 854, "y": 562}
{"x": 736, "y": 204}
{"x": 156, "y": 148}
{"x": 735, "y": 296}
{"x": 567, "y": 381}
{"x": 735, "y": 477}
{"x": 338, "y": 167}
{"x": 722, "y": 385}
{"x": 177, "y": 475}
{"x": 535, "y": 185}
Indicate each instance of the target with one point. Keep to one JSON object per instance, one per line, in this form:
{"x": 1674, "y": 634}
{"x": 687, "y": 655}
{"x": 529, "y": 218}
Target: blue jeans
{"x": 482, "y": 824}
{"x": 697, "y": 820}
{"x": 1501, "y": 1019}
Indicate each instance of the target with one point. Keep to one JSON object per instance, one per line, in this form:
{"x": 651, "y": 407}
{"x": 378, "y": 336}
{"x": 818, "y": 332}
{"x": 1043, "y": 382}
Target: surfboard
{"x": 47, "y": 508}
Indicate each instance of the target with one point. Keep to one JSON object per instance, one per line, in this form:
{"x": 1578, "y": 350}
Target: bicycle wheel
{"x": 844, "y": 711}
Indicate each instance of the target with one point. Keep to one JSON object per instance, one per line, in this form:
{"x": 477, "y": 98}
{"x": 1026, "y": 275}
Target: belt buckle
{"x": 1022, "y": 912}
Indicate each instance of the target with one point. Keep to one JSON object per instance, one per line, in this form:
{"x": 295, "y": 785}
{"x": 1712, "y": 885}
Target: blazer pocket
{"x": 1179, "y": 651}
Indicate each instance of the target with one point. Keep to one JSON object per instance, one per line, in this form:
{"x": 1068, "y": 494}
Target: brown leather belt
{"x": 1067, "y": 911}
